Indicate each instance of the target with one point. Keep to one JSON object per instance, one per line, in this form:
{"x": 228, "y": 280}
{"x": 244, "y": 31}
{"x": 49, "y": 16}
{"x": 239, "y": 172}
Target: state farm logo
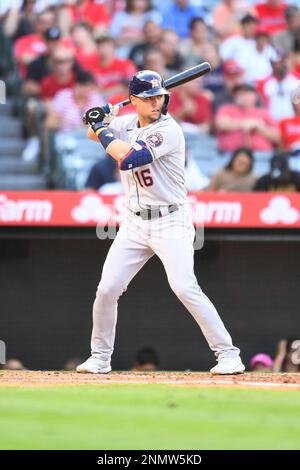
{"x": 25, "y": 210}
{"x": 215, "y": 212}
{"x": 279, "y": 210}
{"x": 91, "y": 208}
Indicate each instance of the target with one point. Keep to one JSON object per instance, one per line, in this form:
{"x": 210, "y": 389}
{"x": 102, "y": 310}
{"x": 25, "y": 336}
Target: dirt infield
{"x": 189, "y": 379}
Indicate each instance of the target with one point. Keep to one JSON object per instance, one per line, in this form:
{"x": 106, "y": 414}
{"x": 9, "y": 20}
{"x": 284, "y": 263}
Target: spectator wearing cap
{"x": 261, "y": 363}
{"x": 271, "y": 15}
{"x": 42, "y": 65}
{"x": 243, "y": 124}
{"x": 280, "y": 177}
{"x": 151, "y": 37}
{"x": 29, "y": 47}
{"x": 192, "y": 47}
{"x": 233, "y": 75}
{"x": 284, "y": 40}
{"x": 227, "y": 16}
{"x": 85, "y": 45}
{"x": 67, "y": 107}
{"x": 276, "y": 90}
{"x": 95, "y": 13}
{"x": 110, "y": 70}
{"x": 127, "y": 26}
{"x": 179, "y": 16}
{"x": 237, "y": 176}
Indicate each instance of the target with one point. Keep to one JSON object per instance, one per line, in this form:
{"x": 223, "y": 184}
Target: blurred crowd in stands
{"x": 146, "y": 359}
{"x": 63, "y": 57}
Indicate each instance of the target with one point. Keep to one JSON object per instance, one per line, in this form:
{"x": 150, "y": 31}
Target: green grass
{"x": 148, "y": 417}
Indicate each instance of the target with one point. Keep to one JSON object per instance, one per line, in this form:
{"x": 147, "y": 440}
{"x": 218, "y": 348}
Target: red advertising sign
{"x": 64, "y": 208}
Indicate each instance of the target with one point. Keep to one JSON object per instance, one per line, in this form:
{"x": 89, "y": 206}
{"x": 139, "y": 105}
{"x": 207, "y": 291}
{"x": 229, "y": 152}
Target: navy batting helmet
{"x": 149, "y": 83}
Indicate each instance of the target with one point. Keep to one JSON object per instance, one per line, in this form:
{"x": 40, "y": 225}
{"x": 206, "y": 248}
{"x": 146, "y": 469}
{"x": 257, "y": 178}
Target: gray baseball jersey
{"x": 162, "y": 182}
{"x": 170, "y": 238}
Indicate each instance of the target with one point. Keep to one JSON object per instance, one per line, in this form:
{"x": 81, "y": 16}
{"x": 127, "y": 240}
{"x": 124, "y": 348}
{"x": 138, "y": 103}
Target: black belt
{"x": 148, "y": 214}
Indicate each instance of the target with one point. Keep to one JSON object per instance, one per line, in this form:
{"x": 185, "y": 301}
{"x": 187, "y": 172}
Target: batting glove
{"x": 104, "y": 114}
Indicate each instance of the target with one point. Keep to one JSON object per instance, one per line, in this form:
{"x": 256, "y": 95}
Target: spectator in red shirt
{"x": 290, "y": 131}
{"x": 190, "y": 104}
{"x": 85, "y": 45}
{"x": 28, "y": 48}
{"x": 271, "y": 15}
{"x": 42, "y": 65}
{"x": 110, "y": 70}
{"x": 89, "y": 11}
{"x": 243, "y": 124}
{"x": 66, "y": 109}
{"x": 63, "y": 75}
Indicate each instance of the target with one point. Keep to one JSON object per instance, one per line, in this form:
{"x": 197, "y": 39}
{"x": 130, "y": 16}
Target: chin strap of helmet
{"x": 166, "y": 104}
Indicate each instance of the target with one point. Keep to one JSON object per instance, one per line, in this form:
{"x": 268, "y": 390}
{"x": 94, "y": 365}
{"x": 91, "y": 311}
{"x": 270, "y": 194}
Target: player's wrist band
{"x": 103, "y": 133}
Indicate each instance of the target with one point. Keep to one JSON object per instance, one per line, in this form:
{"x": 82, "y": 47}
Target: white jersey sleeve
{"x": 162, "y": 141}
{"x": 119, "y": 124}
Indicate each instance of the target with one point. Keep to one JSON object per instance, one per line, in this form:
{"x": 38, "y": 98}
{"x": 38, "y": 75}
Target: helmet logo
{"x": 155, "y": 83}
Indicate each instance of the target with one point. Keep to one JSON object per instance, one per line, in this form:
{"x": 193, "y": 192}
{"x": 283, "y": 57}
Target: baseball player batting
{"x": 149, "y": 147}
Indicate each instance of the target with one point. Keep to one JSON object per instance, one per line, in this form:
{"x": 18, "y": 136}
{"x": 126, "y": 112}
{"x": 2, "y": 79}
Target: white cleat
{"x": 93, "y": 365}
{"x": 228, "y": 365}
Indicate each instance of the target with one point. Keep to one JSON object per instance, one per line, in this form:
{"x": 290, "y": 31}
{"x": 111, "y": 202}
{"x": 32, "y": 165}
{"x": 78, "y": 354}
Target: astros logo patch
{"x": 154, "y": 140}
{"x": 155, "y": 82}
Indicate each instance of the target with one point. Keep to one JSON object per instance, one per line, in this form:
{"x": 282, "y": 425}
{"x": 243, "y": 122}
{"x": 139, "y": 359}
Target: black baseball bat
{"x": 178, "y": 79}
{"x": 182, "y": 77}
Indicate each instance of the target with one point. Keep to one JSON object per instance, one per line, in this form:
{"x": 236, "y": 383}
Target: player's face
{"x": 148, "y": 109}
